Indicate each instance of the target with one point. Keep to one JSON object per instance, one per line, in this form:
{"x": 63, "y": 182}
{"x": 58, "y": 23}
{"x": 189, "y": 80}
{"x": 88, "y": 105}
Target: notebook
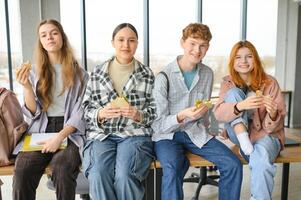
{"x": 31, "y": 141}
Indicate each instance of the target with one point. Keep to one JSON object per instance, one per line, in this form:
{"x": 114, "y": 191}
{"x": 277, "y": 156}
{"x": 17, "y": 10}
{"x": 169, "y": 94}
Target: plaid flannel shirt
{"x": 100, "y": 92}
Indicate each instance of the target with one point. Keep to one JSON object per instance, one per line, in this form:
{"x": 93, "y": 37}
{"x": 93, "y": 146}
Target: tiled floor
{"x": 207, "y": 192}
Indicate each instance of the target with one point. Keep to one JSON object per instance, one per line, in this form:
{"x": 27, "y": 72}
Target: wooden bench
{"x": 291, "y": 154}
{"x": 288, "y": 155}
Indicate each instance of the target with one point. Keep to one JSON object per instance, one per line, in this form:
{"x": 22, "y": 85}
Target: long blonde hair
{"x": 70, "y": 67}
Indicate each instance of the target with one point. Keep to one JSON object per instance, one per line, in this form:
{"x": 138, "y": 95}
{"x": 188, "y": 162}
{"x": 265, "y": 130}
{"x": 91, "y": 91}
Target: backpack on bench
{"x": 12, "y": 125}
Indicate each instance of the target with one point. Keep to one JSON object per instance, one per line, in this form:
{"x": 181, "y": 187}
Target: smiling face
{"x": 194, "y": 49}
{"x": 125, "y": 43}
{"x": 243, "y": 61}
{"x": 50, "y": 38}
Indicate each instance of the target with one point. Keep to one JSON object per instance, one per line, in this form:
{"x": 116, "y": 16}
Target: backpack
{"x": 12, "y": 125}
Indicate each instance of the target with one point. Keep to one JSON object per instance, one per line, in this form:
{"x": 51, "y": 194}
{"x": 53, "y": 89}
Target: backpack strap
{"x": 167, "y": 81}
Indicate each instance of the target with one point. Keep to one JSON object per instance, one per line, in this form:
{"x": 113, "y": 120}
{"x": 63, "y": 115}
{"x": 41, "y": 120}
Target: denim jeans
{"x": 30, "y": 166}
{"x": 171, "y": 154}
{"x": 116, "y": 167}
{"x": 261, "y": 160}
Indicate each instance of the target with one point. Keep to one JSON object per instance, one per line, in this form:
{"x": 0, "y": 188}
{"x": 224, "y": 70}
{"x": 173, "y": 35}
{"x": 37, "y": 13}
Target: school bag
{"x": 12, "y": 125}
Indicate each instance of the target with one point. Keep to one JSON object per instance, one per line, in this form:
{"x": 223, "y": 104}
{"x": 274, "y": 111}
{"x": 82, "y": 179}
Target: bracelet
{"x": 236, "y": 111}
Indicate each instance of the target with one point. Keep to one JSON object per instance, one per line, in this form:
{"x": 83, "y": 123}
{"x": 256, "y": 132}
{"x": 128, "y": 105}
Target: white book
{"x": 31, "y": 141}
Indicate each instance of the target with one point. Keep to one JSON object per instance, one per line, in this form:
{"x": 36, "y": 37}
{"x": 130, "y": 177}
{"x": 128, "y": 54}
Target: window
{"x": 70, "y": 19}
{"x": 102, "y": 17}
{"x": 15, "y": 45}
{"x": 4, "y": 77}
{"x": 262, "y": 30}
{"x": 223, "y": 19}
{"x": 167, "y": 20}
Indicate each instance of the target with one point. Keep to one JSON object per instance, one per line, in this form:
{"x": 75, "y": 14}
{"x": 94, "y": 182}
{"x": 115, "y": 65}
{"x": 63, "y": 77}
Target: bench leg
{"x": 285, "y": 179}
{"x": 153, "y": 185}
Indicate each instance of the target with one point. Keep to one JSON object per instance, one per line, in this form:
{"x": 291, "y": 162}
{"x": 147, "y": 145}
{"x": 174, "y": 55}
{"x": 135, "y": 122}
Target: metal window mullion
{"x": 146, "y": 32}
{"x": 199, "y": 11}
{"x": 84, "y": 34}
{"x": 243, "y": 19}
{"x": 9, "y": 60}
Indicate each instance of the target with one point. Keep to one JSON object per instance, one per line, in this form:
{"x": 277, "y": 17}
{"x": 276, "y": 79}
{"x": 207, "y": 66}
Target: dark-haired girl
{"x": 119, "y": 149}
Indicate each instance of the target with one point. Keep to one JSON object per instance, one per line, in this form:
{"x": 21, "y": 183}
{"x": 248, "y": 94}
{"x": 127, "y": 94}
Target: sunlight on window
{"x": 166, "y": 25}
{"x": 262, "y": 33}
{"x": 225, "y": 29}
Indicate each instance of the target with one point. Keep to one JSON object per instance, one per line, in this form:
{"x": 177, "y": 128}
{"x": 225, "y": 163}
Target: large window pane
{"x": 225, "y": 29}
{"x": 262, "y": 30}
{"x": 167, "y": 20}
{"x": 70, "y": 19}
{"x": 102, "y": 17}
{"x": 15, "y": 42}
{"x": 4, "y": 78}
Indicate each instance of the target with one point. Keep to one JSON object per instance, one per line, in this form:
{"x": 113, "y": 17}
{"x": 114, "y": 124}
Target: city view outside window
{"x": 167, "y": 20}
{"x": 101, "y": 19}
{"x": 262, "y": 30}
{"x": 15, "y": 42}
{"x": 225, "y": 29}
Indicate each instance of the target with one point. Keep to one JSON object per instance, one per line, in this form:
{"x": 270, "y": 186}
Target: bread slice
{"x": 120, "y": 102}
{"x": 24, "y": 66}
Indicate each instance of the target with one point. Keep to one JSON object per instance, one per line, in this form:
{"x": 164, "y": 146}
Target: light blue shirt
{"x": 178, "y": 99}
{"x": 188, "y": 77}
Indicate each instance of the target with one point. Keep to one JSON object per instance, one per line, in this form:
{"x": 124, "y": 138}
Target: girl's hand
{"x": 22, "y": 75}
{"x": 51, "y": 145}
{"x": 131, "y": 112}
{"x": 271, "y": 106}
{"x": 108, "y": 112}
{"x": 249, "y": 103}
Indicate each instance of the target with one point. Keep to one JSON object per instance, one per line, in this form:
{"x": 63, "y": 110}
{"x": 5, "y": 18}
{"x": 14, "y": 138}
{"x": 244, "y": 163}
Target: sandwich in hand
{"x": 25, "y": 66}
{"x": 120, "y": 102}
{"x": 199, "y": 103}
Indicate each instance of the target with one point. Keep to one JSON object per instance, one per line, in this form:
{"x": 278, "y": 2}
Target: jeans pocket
{"x": 143, "y": 157}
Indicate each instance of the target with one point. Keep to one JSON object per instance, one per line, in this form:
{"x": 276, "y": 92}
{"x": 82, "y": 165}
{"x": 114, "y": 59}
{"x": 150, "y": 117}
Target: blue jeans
{"x": 171, "y": 154}
{"x": 116, "y": 167}
{"x": 261, "y": 159}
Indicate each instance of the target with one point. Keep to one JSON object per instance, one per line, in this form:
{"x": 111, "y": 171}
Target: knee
{"x": 22, "y": 170}
{"x": 232, "y": 164}
{"x": 123, "y": 175}
{"x": 172, "y": 170}
{"x": 98, "y": 171}
{"x": 234, "y": 95}
{"x": 261, "y": 166}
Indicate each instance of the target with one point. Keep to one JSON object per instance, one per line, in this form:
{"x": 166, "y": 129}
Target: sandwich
{"x": 199, "y": 103}
{"x": 120, "y": 102}
{"x": 258, "y": 93}
{"x": 24, "y": 66}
